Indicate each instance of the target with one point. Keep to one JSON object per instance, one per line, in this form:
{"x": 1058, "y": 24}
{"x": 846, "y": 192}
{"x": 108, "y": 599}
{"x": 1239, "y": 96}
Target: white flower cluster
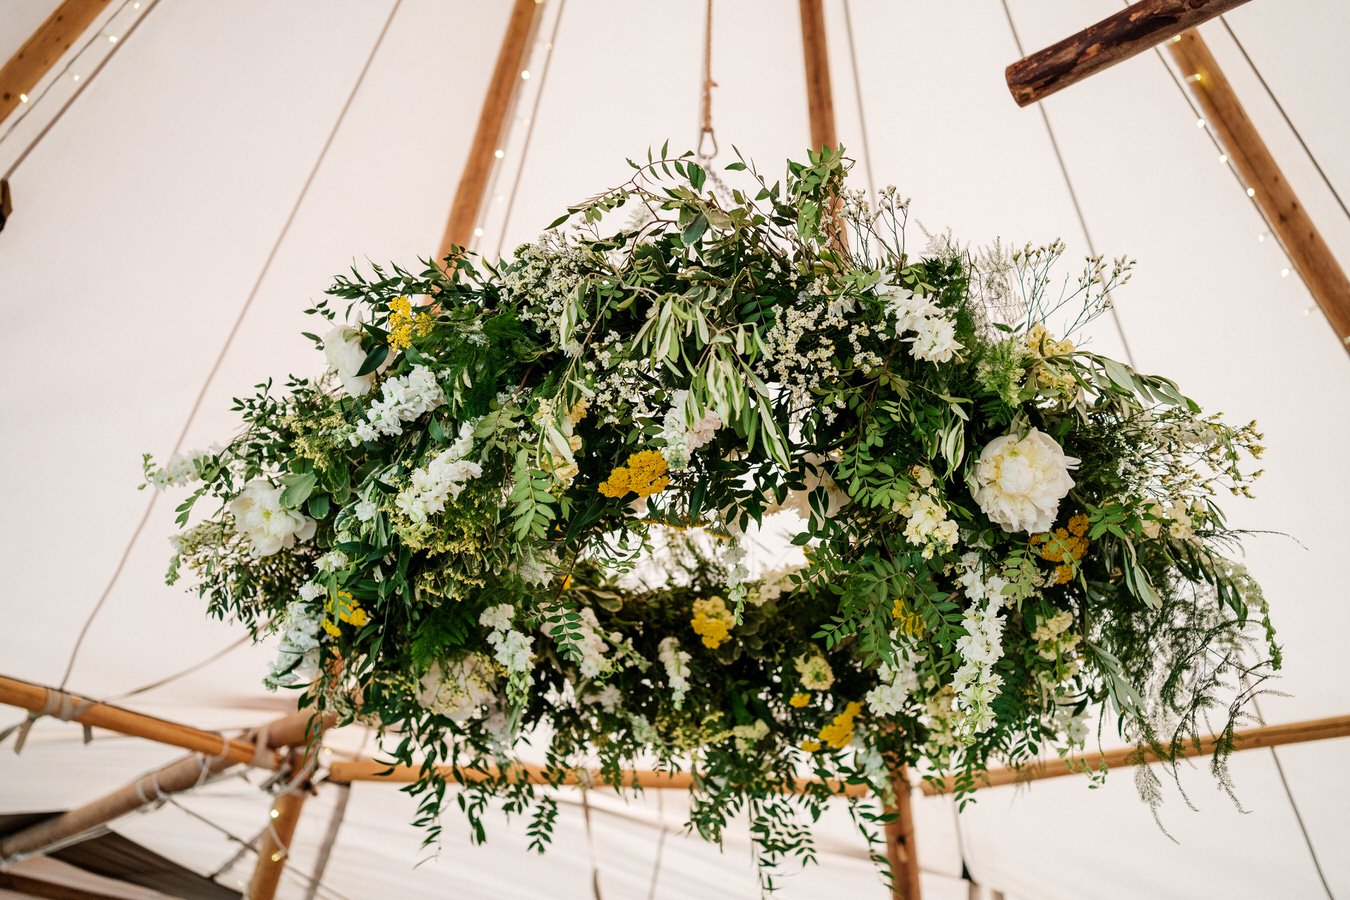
{"x": 403, "y": 399}
{"x": 440, "y": 481}
{"x": 815, "y": 672}
{"x": 259, "y": 516}
{"x": 181, "y": 469}
{"x": 975, "y": 685}
{"x": 676, "y": 662}
{"x": 1052, "y": 636}
{"x": 1022, "y": 480}
{"x": 297, "y": 659}
{"x": 346, "y": 356}
{"x": 895, "y": 684}
{"x": 747, "y": 736}
{"x": 934, "y": 337}
{"x": 682, "y": 438}
{"x": 457, "y": 689}
{"x": 542, "y": 279}
{"x": 512, "y": 648}
{"x": 800, "y": 347}
{"x": 609, "y": 698}
{"x": 928, "y": 526}
{"x": 1177, "y": 516}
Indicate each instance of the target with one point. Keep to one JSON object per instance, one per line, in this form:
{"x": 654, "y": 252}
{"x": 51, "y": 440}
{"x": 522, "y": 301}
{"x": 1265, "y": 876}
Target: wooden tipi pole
{"x": 40, "y": 52}
{"x": 487, "y": 139}
{"x": 1266, "y": 184}
{"x": 288, "y": 731}
{"x": 819, "y": 93}
{"x": 901, "y": 853}
{"x": 274, "y": 847}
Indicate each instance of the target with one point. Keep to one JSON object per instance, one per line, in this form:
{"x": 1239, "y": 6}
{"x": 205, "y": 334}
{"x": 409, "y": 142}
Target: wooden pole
{"x": 42, "y": 50}
{"x": 487, "y": 140}
{"x": 819, "y": 94}
{"x": 275, "y": 845}
{"x": 901, "y": 852}
{"x": 1309, "y": 253}
{"x": 38, "y": 698}
{"x": 184, "y": 774}
{"x": 1114, "y": 39}
{"x": 1244, "y": 739}
{"x": 371, "y": 770}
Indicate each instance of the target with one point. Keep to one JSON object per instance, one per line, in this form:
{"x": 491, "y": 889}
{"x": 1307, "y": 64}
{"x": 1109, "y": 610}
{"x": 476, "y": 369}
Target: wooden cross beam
{"x": 501, "y": 96}
{"x": 41, "y": 51}
{"x": 1114, "y": 39}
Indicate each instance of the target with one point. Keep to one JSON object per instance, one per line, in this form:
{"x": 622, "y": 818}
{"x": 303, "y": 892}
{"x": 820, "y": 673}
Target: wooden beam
{"x": 274, "y": 847}
{"x": 819, "y": 94}
{"x": 1114, "y": 39}
{"x": 1286, "y": 216}
{"x": 901, "y": 852}
{"x": 487, "y": 139}
{"x": 1244, "y": 739}
{"x": 39, "y": 698}
{"x": 371, "y": 770}
{"x": 42, "y": 50}
{"x": 184, "y": 774}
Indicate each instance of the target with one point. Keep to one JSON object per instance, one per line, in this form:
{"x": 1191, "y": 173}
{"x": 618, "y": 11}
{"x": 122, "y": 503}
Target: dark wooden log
{"x": 1114, "y": 39}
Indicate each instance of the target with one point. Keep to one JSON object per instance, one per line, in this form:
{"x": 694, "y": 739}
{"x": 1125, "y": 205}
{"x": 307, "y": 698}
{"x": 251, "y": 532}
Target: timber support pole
{"x": 296, "y": 729}
{"x": 274, "y": 847}
{"x": 487, "y": 139}
{"x": 41, "y": 51}
{"x": 1266, "y": 184}
{"x": 901, "y": 852}
{"x": 819, "y": 93}
{"x": 1114, "y": 39}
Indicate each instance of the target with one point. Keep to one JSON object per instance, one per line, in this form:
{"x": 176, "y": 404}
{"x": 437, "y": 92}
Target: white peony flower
{"x": 259, "y": 517}
{"x": 1022, "y": 480}
{"x": 342, "y": 346}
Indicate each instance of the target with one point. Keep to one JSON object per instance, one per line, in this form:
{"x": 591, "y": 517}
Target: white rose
{"x": 1021, "y": 481}
{"x": 259, "y": 517}
{"x": 342, "y": 346}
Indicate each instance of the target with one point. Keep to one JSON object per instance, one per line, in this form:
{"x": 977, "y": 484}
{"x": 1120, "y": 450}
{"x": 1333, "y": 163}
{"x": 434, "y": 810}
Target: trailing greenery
{"x": 524, "y": 504}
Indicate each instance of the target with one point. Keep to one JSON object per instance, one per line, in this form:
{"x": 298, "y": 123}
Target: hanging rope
{"x": 1288, "y": 121}
{"x": 857, "y": 93}
{"x": 529, "y": 127}
{"x": 706, "y": 134}
{"x": 1068, "y": 183}
{"x": 233, "y": 333}
{"x": 57, "y": 704}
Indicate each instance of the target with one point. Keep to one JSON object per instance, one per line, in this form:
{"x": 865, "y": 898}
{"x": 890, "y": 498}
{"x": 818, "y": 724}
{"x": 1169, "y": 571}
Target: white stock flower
{"x": 676, "y": 663}
{"x": 402, "y": 399}
{"x": 1021, "y": 481}
{"x": 895, "y": 685}
{"x": 440, "y": 481}
{"x": 906, "y": 307}
{"x": 935, "y": 340}
{"x": 342, "y": 347}
{"x": 512, "y": 649}
{"x": 259, "y": 517}
{"x": 366, "y": 510}
{"x": 497, "y": 618}
{"x": 297, "y": 659}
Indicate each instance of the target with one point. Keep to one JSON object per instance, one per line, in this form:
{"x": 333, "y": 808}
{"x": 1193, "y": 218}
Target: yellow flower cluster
{"x": 343, "y": 609}
{"x": 810, "y": 746}
{"x": 1043, "y": 344}
{"x": 644, "y": 475}
{"x": 908, "y": 621}
{"x": 839, "y": 732}
{"x": 404, "y": 323}
{"x": 1051, "y": 379}
{"x": 1064, "y": 546}
{"x": 799, "y": 700}
{"x": 712, "y": 621}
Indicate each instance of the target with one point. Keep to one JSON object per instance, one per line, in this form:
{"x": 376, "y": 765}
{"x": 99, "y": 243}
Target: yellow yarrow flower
{"x": 810, "y": 746}
{"x": 644, "y": 475}
{"x": 343, "y": 609}
{"x": 838, "y": 733}
{"x": 403, "y": 323}
{"x": 712, "y": 621}
{"x": 799, "y": 700}
{"x": 1065, "y": 546}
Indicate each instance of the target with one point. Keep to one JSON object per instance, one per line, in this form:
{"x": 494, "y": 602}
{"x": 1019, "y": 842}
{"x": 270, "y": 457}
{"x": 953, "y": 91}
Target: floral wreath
{"x": 521, "y": 509}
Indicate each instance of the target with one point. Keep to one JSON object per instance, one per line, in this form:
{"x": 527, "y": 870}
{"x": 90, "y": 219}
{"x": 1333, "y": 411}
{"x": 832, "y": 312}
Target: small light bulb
{"x": 1251, "y": 192}
{"x": 275, "y": 812}
{"x": 1284, "y": 273}
{"x": 75, "y": 77}
{"x": 525, "y": 75}
{"x": 23, "y": 98}
{"x": 548, "y": 46}
{"x": 1192, "y": 79}
{"x": 1223, "y": 158}
{"x": 112, "y": 38}
{"x": 276, "y": 857}
{"x": 478, "y": 232}
{"x": 1199, "y": 123}
{"x": 499, "y": 154}
{"x": 500, "y": 199}
{"x": 1261, "y": 238}
{"x": 1177, "y": 39}
{"x": 135, "y": 6}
